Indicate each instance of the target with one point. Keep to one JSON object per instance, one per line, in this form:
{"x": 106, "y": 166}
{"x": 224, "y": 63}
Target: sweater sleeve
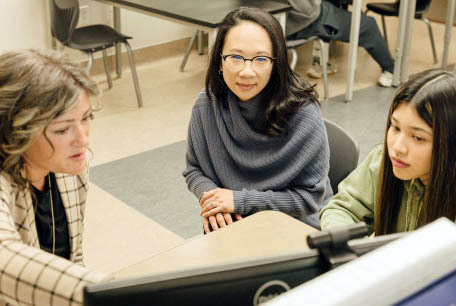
{"x": 308, "y": 7}
{"x": 304, "y": 12}
{"x": 309, "y": 188}
{"x": 196, "y": 181}
{"x": 299, "y": 201}
{"x": 355, "y": 200}
{"x": 30, "y": 276}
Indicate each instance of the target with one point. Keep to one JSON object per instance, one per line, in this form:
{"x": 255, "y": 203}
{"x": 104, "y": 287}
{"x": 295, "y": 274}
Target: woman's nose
{"x": 247, "y": 69}
{"x": 82, "y": 136}
{"x": 400, "y": 145}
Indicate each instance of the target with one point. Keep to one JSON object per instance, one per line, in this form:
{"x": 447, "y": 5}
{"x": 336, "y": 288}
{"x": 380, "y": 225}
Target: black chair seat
{"x": 95, "y": 38}
{"x": 390, "y": 9}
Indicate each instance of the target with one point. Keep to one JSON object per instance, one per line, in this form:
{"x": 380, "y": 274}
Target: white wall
{"x": 25, "y": 24}
{"x": 147, "y": 30}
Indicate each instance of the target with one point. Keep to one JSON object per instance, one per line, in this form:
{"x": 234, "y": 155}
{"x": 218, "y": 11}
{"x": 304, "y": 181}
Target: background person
{"x": 45, "y": 115}
{"x": 323, "y": 19}
{"x": 410, "y": 180}
{"x": 256, "y": 138}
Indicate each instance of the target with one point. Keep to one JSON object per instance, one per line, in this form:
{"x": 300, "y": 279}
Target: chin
{"x": 402, "y": 176}
{"x": 244, "y": 97}
{"x": 75, "y": 170}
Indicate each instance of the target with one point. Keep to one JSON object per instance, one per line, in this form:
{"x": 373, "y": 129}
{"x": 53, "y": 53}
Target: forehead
{"x": 248, "y": 37}
{"x": 407, "y": 115}
{"x": 81, "y": 106}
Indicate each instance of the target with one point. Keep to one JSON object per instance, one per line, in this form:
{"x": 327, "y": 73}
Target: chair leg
{"x": 431, "y": 36}
{"x": 324, "y": 64}
{"x": 189, "y": 49}
{"x": 90, "y": 63}
{"x": 294, "y": 58}
{"x": 134, "y": 74}
{"x": 107, "y": 69}
{"x": 384, "y": 29}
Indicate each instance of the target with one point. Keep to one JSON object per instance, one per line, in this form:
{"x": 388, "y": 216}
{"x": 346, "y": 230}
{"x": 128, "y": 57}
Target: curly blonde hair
{"x": 36, "y": 86}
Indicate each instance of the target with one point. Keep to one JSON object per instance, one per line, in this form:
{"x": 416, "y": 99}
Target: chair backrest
{"x": 64, "y": 19}
{"x": 344, "y": 153}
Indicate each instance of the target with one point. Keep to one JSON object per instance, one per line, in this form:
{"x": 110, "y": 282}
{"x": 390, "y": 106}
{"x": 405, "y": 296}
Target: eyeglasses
{"x": 236, "y": 62}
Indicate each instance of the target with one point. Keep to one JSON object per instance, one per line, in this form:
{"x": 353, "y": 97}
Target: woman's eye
{"x": 261, "y": 59}
{"x": 236, "y": 57}
{"x": 89, "y": 117}
{"x": 418, "y": 138}
{"x": 62, "y": 131}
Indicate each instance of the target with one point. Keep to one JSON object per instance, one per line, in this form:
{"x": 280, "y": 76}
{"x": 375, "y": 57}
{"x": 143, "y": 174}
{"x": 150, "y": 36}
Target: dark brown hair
{"x": 433, "y": 94}
{"x": 284, "y": 93}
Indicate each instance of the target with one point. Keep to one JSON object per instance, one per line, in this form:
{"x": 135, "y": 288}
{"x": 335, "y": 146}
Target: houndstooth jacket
{"x": 29, "y": 275}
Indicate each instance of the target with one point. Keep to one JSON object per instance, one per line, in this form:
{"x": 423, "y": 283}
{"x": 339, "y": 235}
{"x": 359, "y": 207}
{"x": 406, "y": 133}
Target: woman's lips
{"x": 398, "y": 163}
{"x": 79, "y": 156}
{"x": 246, "y": 86}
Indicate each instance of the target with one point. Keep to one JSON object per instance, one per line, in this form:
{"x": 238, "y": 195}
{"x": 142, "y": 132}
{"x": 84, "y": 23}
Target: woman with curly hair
{"x": 45, "y": 114}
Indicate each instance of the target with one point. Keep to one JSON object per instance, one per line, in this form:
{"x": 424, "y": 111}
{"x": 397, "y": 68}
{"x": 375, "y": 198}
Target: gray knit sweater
{"x": 288, "y": 173}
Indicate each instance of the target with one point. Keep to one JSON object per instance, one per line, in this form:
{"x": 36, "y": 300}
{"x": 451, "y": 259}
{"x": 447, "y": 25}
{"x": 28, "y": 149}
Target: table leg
{"x": 403, "y": 9}
{"x": 448, "y": 28}
{"x": 189, "y": 49}
{"x": 282, "y": 17}
{"x": 118, "y": 28}
{"x": 212, "y": 35}
{"x": 407, "y": 40}
{"x": 200, "y": 42}
{"x": 353, "y": 49}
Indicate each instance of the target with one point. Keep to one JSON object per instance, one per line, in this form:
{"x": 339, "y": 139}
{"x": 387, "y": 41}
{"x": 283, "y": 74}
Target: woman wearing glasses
{"x": 256, "y": 138}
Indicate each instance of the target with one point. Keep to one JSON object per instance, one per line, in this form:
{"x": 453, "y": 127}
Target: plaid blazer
{"x": 29, "y": 275}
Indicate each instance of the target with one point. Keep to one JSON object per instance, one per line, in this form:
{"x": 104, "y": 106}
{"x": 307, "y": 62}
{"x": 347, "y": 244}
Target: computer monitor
{"x": 249, "y": 282}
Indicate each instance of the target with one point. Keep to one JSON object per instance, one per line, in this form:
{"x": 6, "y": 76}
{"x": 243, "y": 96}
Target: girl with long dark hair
{"x": 410, "y": 180}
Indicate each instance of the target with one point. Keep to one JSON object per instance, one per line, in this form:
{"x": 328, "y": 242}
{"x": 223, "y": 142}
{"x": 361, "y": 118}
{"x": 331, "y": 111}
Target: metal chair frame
{"x": 292, "y": 44}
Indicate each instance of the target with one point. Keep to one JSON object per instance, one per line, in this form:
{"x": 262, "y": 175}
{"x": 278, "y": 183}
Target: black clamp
{"x": 332, "y": 244}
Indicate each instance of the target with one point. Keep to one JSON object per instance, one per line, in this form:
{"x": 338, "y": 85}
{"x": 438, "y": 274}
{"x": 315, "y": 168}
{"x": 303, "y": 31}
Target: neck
{"x": 36, "y": 178}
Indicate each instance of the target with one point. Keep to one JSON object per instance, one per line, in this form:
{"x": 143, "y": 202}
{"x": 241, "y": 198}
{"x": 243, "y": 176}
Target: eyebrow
{"x": 72, "y": 120}
{"x": 261, "y": 52}
{"x": 415, "y": 128}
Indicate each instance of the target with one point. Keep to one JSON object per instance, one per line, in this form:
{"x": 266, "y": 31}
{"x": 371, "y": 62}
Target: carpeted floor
{"x": 152, "y": 182}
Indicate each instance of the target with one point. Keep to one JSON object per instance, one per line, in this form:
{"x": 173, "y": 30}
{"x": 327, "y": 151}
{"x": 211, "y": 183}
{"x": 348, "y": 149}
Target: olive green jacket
{"x": 355, "y": 200}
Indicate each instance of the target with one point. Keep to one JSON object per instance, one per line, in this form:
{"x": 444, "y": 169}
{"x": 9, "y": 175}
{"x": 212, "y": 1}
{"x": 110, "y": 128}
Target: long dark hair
{"x": 284, "y": 93}
{"x": 433, "y": 94}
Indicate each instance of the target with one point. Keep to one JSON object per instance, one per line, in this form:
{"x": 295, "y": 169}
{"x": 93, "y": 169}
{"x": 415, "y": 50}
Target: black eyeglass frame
{"x": 272, "y": 59}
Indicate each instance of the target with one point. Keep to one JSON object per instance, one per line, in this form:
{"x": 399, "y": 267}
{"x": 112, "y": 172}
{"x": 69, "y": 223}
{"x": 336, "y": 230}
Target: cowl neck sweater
{"x": 227, "y": 149}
